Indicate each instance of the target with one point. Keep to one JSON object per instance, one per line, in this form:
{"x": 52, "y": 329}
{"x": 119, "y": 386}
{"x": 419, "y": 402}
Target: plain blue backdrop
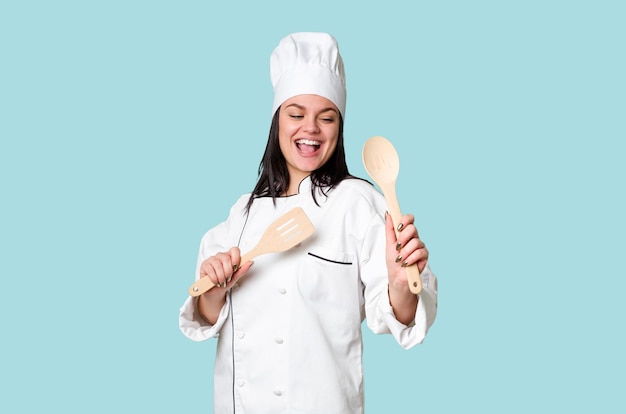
{"x": 128, "y": 128}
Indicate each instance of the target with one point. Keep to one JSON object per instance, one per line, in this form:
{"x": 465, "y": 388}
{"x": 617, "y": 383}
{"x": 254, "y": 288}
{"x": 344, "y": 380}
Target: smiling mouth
{"x": 308, "y": 145}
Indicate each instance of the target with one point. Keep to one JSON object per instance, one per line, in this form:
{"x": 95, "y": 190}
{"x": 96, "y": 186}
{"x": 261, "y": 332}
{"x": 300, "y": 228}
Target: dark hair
{"x": 274, "y": 177}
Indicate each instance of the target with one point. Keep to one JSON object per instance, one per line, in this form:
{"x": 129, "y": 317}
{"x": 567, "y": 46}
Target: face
{"x": 308, "y": 130}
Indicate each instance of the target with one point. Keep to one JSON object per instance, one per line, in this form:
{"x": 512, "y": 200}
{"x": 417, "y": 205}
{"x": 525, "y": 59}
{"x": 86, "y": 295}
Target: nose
{"x": 311, "y": 126}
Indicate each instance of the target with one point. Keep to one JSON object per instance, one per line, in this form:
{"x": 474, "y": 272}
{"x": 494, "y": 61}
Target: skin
{"x": 404, "y": 250}
{"x": 308, "y": 134}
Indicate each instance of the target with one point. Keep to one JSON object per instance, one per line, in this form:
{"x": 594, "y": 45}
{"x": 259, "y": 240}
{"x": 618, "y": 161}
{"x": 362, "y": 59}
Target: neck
{"x": 294, "y": 184}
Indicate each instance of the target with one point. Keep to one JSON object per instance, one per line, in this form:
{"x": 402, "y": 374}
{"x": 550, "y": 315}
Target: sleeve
{"x": 220, "y": 238}
{"x": 379, "y": 313}
{"x": 194, "y": 327}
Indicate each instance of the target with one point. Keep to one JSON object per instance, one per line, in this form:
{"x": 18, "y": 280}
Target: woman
{"x": 289, "y": 328}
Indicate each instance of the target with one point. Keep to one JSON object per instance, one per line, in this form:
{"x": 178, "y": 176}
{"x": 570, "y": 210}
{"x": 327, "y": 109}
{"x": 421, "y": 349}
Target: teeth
{"x": 307, "y": 142}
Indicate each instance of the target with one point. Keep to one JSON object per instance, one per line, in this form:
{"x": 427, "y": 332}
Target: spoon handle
{"x": 412, "y": 272}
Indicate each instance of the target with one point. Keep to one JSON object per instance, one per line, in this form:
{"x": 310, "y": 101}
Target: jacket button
{"x": 279, "y": 340}
{"x": 278, "y": 393}
{"x": 282, "y": 291}
{"x": 240, "y": 383}
{"x": 240, "y": 334}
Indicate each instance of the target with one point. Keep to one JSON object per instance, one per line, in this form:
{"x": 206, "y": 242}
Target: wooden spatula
{"x": 382, "y": 164}
{"x": 285, "y": 232}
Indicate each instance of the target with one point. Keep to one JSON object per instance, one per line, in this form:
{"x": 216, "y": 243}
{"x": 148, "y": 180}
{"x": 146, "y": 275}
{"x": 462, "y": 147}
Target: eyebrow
{"x": 330, "y": 108}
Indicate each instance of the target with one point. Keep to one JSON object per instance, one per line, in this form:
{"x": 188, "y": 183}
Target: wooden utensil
{"x": 285, "y": 232}
{"x": 382, "y": 164}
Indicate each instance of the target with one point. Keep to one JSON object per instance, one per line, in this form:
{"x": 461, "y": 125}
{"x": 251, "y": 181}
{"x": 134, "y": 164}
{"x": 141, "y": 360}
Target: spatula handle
{"x": 412, "y": 272}
{"x": 200, "y": 286}
{"x": 204, "y": 284}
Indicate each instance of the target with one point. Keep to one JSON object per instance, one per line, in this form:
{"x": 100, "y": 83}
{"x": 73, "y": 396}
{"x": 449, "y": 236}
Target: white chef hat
{"x": 308, "y": 63}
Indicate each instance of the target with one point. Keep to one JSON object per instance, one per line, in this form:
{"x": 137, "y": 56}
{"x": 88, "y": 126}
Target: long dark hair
{"x": 274, "y": 177}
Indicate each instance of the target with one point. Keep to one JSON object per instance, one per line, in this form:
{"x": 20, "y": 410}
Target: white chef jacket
{"x": 289, "y": 334}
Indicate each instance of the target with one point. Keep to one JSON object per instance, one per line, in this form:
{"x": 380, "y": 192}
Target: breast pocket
{"x": 329, "y": 276}
{"x": 340, "y": 259}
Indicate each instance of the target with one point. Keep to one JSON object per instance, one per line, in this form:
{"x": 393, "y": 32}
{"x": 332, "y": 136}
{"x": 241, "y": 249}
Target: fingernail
{"x": 398, "y": 259}
{"x": 398, "y": 246}
{"x": 405, "y": 264}
{"x": 229, "y": 279}
{"x": 400, "y": 227}
{"x": 235, "y": 268}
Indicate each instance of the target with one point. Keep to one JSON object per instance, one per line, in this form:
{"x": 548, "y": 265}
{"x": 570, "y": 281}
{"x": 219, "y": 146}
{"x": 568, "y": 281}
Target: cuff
{"x": 194, "y": 326}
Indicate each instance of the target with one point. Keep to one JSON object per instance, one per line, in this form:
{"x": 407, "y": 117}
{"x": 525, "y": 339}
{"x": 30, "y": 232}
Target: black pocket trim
{"x": 328, "y": 260}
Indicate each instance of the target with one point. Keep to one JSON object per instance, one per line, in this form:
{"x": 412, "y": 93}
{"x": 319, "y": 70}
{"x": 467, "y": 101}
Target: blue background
{"x": 128, "y": 128}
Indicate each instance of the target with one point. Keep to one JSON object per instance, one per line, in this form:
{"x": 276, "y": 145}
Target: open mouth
{"x": 308, "y": 146}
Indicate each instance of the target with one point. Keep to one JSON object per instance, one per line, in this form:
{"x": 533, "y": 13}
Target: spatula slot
{"x": 288, "y": 238}
{"x": 291, "y": 220}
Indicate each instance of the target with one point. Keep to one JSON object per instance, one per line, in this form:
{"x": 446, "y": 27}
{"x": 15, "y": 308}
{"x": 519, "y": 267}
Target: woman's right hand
{"x": 224, "y": 270}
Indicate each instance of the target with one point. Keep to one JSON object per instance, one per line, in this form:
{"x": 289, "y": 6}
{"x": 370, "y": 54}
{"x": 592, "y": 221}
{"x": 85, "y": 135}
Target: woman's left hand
{"x": 403, "y": 250}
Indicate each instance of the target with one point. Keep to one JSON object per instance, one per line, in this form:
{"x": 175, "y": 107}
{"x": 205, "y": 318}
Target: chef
{"x": 288, "y": 324}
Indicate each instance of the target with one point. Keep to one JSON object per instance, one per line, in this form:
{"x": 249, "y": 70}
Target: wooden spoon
{"x": 285, "y": 232}
{"x": 382, "y": 164}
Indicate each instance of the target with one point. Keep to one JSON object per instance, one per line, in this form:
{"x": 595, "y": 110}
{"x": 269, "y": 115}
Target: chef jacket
{"x": 289, "y": 334}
